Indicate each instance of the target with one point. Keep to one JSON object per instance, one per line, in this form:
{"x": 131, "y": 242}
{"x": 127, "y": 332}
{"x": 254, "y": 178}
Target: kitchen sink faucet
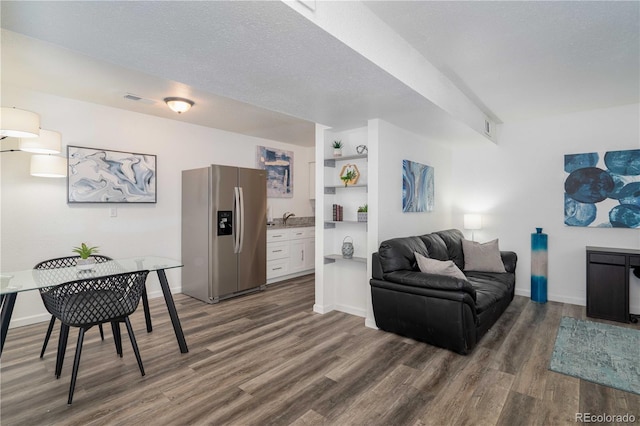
{"x": 286, "y": 216}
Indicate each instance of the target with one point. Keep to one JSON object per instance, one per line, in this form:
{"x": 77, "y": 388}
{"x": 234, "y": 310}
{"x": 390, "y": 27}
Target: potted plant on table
{"x": 337, "y": 148}
{"x": 85, "y": 262}
{"x": 363, "y": 212}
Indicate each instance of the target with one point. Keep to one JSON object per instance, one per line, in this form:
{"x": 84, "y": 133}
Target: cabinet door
{"x": 296, "y": 261}
{"x": 309, "y": 253}
{"x": 607, "y": 292}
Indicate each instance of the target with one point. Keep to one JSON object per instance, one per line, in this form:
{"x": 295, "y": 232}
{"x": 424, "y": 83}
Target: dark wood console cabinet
{"x": 608, "y": 282}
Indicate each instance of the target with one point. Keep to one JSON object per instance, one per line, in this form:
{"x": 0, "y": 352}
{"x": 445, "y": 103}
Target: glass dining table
{"x": 13, "y": 283}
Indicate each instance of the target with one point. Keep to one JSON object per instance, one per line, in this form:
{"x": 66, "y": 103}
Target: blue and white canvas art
{"x": 279, "y": 167}
{"x": 417, "y": 187}
{"x": 103, "y": 176}
{"x": 602, "y": 189}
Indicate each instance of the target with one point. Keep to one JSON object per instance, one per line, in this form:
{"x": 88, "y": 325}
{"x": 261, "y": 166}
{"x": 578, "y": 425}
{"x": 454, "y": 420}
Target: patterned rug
{"x": 605, "y": 354}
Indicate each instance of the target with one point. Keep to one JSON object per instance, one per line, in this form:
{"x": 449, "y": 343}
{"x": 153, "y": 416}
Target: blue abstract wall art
{"x": 602, "y": 189}
{"x": 279, "y": 167}
{"x": 103, "y": 176}
{"x": 417, "y": 187}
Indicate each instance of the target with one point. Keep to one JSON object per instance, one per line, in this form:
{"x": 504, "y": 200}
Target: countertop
{"x": 296, "y": 225}
{"x": 293, "y": 222}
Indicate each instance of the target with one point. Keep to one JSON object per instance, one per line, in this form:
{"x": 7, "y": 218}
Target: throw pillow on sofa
{"x": 482, "y": 257}
{"x": 439, "y": 267}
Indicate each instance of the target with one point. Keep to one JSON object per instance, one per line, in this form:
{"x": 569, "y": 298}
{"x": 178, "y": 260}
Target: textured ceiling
{"x": 528, "y": 59}
{"x": 274, "y": 72}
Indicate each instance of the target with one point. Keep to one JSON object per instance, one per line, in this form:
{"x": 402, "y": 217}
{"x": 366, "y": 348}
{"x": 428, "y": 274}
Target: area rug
{"x": 605, "y": 354}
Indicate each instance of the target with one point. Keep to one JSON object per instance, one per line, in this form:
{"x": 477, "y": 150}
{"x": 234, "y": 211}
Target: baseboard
{"x": 158, "y": 293}
{"x": 370, "y": 323}
{"x": 33, "y": 319}
{"x": 289, "y": 276}
{"x": 322, "y": 309}
{"x": 351, "y": 310}
{"x": 555, "y": 298}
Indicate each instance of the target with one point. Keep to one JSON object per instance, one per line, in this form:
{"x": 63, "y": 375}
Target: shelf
{"x": 330, "y": 190}
{"x": 331, "y": 258}
{"x": 329, "y": 224}
{"x": 331, "y": 162}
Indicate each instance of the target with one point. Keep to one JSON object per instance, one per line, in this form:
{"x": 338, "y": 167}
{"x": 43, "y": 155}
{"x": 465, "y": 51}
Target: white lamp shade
{"x": 179, "y": 105}
{"x": 472, "y": 221}
{"x": 18, "y": 123}
{"x": 49, "y": 142}
{"x": 48, "y": 166}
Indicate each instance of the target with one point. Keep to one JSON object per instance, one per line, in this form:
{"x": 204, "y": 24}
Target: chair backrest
{"x": 64, "y": 262}
{"x": 68, "y": 261}
{"x": 92, "y": 301}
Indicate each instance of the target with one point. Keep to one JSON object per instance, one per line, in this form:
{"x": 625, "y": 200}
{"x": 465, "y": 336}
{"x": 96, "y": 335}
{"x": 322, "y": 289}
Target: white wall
{"x": 397, "y": 144}
{"x": 37, "y": 223}
{"x": 519, "y": 185}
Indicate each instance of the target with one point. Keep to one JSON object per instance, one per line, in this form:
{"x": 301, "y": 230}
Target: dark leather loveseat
{"x": 448, "y": 312}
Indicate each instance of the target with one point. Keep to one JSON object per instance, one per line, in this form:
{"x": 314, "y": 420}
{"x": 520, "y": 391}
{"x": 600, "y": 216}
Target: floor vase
{"x": 539, "y": 266}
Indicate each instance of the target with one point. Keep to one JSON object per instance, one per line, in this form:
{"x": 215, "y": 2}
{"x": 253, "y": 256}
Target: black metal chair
{"x": 93, "y": 301}
{"x": 64, "y": 262}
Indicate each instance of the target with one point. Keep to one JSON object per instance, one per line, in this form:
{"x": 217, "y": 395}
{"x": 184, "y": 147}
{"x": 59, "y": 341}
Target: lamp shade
{"x": 179, "y": 105}
{"x": 49, "y": 142}
{"x": 19, "y": 123}
{"x": 48, "y": 166}
{"x": 472, "y": 221}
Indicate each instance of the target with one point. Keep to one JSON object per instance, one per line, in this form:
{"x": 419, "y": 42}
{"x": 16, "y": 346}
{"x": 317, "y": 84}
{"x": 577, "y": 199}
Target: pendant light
{"x": 51, "y": 166}
{"x": 18, "y": 123}
{"x": 49, "y": 142}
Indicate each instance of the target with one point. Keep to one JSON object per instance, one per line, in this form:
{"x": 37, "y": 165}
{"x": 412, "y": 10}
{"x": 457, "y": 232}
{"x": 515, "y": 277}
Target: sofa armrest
{"x": 509, "y": 259}
{"x": 432, "y": 281}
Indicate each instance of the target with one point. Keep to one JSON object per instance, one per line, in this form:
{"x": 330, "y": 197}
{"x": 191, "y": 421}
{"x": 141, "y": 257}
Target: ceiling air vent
{"x": 136, "y": 98}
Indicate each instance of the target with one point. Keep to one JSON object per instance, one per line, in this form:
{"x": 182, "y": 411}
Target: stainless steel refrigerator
{"x": 224, "y": 231}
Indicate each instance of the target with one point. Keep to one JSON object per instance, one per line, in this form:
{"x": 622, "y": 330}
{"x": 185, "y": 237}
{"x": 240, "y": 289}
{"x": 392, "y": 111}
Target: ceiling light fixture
{"x": 179, "y": 105}
{"x": 50, "y": 166}
{"x": 49, "y": 142}
{"x": 18, "y": 123}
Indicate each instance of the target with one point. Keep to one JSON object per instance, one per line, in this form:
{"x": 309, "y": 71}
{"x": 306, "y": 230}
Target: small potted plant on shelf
{"x": 85, "y": 262}
{"x": 362, "y": 213}
{"x": 348, "y": 176}
{"x": 337, "y": 148}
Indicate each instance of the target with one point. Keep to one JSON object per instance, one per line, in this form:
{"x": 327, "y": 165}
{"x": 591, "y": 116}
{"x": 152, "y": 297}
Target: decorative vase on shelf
{"x": 347, "y": 248}
{"x": 539, "y": 266}
{"x": 362, "y": 216}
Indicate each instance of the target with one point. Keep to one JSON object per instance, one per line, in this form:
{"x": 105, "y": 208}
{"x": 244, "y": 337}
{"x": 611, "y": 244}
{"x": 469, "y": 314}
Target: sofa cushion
{"x": 482, "y": 257}
{"x": 435, "y": 246}
{"x": 453, "y": 240}
{"x": 439, "y": 267}
{"x": 490, "y": 288}
{"x": 397, "y": 254}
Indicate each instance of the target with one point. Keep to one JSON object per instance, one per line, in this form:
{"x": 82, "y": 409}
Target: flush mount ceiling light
{"x": 179, "y": 105}
{"x": 18, "y": 123}
{"x": 49, "y": 142}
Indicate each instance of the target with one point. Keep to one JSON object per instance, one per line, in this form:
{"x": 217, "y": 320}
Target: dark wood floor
{"x": 266, "y": 358}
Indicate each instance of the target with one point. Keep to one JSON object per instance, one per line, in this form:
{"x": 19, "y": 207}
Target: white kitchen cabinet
{"x": 290, "y": 253}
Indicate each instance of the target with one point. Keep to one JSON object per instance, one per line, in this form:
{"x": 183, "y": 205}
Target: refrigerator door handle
{"x": 238, "y": 224}
{"x": 241, "y": 244}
